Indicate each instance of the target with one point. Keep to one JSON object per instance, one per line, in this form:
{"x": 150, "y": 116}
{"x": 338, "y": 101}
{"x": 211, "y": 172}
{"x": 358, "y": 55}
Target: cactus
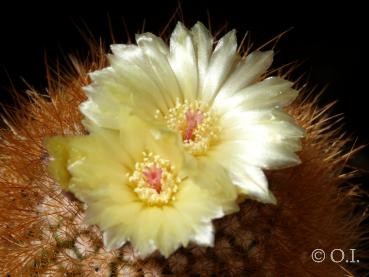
{"x": 42, "y": 232}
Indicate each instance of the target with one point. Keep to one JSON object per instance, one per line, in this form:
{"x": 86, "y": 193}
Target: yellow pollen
{"x": 154, "y": 180}
{"x": 197, "y": 125}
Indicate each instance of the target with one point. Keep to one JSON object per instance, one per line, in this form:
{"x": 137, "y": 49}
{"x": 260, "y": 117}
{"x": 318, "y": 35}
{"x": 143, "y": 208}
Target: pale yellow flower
{"x": 141, "y": 186}
{"x": 214, "y": 98}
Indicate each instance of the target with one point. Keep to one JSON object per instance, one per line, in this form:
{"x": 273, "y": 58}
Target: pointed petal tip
{"x": 272, "y": 199}
{"x": 268, "y": 198}
{"x": 111, "y": 244}
{"x": 231, "y": 35}
{"x": 140, "y": 38}
{"x": 269, "y": 52}
{"x": 180, "y": 27}
{"x": 200, "y": 26}
{"x": 200, "y": 32}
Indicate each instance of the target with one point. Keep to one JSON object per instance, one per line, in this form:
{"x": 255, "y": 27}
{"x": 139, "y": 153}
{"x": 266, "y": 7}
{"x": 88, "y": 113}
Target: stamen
{"x": 197, "y": 125}
{"x": 154, "y": 180}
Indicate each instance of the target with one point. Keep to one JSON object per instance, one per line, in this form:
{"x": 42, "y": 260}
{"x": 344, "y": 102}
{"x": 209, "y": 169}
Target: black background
{"x": 331, "y": 45}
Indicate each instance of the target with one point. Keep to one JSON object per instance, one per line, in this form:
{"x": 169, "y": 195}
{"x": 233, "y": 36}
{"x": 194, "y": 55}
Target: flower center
{"x": 153, "y": 177}
{"x": 197, "y": 125}
{"x": 154, "y": 180}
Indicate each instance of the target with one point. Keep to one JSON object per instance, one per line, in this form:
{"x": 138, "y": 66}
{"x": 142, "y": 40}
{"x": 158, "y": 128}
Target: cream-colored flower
{"x": 215, "y": 98}
{"x": 141, "y": 186}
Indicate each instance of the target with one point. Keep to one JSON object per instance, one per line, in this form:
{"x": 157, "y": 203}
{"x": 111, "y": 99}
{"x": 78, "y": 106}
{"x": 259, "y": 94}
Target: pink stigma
{"x": 153, "y": 177}
{"x": 194, "y": 118}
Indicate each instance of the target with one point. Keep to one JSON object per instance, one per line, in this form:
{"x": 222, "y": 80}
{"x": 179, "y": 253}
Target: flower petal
{"x": 104, "y": 100}
{"x": 274, "y": 130}
{"x": 83, "y": 155}
{"x": 252, "y": 181}
{"x": 109, "y": 215}
{"x": 137, "y": 78}
{"x": 247, "y": 72}
{"x": 222, "y": 190}
{"x": 205, "y": 235}
{"x": 221, "y": 62}
{"x": 57, "y": 148}
{"x": 157, "y": 53}
{"x": 178, "y": 233}
{"x": 203, "y": 43}
{"x": 112, "y": 240}
{"x": 267, "y": 155}
{"x": 183, "y": 61}
{"x": 148, "y": 225}
{"x": 273, "y": 92}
